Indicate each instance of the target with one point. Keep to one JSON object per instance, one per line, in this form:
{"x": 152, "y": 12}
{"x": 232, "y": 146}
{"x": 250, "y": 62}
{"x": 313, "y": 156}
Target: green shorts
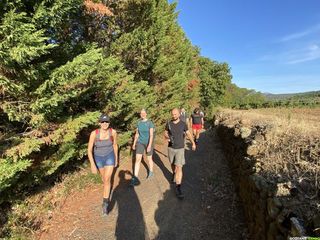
{"x": 176, "y": 156}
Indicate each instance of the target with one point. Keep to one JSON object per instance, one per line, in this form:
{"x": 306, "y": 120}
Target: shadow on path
{"x": 157, "y": 160}
{"x": 130, "y": 222}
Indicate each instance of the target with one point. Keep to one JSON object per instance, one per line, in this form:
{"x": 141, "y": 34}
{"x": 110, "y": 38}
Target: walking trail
{"x": 151, "y": 210}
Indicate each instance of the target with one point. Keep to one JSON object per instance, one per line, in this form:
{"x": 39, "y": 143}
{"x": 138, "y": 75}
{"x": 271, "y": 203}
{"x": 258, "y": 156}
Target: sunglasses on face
{"x": 104, "y": 122}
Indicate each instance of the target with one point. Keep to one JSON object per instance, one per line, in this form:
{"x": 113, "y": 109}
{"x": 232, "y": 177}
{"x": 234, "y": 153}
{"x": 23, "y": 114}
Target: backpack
{"x": 98, "y": 135}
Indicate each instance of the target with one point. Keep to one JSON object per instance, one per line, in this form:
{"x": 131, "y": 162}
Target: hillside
{"x": 301, "y": 95}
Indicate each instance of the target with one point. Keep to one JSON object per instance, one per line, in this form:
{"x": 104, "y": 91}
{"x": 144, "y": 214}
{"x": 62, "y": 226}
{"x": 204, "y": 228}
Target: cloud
{"x": 301, "y": 34}
{"x": 312, "y": 52}
{"x": 294, "y": 56}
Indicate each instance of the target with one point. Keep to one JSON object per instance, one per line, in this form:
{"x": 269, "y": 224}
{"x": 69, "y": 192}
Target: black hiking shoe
{"x": 105, "y": 208}
{"x": 134, "y": 181}
{"x": 179, "y": 193}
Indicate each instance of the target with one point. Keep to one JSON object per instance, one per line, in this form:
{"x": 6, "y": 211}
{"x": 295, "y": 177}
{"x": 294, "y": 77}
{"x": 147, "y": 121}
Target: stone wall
{"x": 274, "y": 209}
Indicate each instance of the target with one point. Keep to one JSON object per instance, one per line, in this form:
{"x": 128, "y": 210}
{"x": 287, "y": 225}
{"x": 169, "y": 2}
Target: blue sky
{"x": 271, "y": 45}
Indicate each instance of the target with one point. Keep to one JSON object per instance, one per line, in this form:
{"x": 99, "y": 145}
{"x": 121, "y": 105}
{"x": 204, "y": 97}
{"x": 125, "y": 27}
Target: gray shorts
{"x": 176, "y": 156}
{"x": 140, "y": 148}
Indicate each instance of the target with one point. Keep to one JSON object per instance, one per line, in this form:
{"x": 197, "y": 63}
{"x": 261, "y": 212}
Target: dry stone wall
{"x": 275, "y": 206}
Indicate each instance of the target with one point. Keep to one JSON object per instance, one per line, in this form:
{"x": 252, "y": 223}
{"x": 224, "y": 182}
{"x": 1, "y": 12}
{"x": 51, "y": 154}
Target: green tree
{"x": 214, "y": 79}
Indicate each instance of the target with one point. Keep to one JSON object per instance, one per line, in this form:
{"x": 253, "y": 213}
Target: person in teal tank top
{"x": 143, "y": 141}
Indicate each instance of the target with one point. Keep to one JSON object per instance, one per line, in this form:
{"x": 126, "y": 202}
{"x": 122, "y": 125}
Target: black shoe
{"x": 196, "y": 141}
{"x": 105, "y": 208}
{"x": 179, "y": 193}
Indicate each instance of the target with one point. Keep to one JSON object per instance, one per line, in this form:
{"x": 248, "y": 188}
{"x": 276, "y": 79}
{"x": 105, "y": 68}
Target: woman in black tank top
{"x": 197, "y": 124}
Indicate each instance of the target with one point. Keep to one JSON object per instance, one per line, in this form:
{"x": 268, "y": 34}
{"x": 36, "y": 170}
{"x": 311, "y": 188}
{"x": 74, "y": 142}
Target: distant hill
{"x": 311, "y": 94}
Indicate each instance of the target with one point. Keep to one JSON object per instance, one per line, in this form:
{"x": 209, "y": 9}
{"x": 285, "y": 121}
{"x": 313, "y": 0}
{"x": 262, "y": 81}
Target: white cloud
{"x": 301, "y": 34}
{"x": 309, "y": 53}
{"x": 294, "y": 56}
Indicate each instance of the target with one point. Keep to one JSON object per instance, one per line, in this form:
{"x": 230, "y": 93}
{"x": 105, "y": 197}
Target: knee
{"x": 106, "y": 180}
{"x": 138, "y": 159}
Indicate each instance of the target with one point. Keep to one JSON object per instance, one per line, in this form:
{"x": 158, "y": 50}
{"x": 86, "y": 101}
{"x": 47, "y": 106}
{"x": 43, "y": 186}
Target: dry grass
{"x": 292, "y": 150}
{"x": 304, "y": 122}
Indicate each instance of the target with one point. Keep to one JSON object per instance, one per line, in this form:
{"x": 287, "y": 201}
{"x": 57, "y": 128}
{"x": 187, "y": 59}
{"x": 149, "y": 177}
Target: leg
{"x": 137, "y": 165}
{"x": 178, "y": 174}
{"x": 180, "y": 161}
{"x": 171, "y": 156}
{"x": 173, "y": 167}
{"x": 101, "y": 172}
{"x": 198, "y": 134}
{"x": 150, "y": 160}
{"x": 194, "y": 131}
{"x": 106, "y": 183}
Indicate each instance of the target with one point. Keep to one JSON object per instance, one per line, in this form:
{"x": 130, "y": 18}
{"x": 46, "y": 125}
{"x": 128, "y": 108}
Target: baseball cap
{"x": 104, "y": 118}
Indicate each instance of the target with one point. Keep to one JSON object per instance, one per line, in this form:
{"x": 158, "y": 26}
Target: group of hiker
{"x": 103, "y": 148}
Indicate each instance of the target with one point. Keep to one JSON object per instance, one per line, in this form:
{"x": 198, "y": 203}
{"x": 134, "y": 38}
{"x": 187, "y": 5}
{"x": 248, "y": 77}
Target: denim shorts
{"x": 102, "y": 161}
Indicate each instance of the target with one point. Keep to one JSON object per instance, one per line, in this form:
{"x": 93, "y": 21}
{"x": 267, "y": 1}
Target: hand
{"x": 133, "y": 147}
{"x": 148, "y": 148}
{"x": 194, "y": 146}
{"x": 94, "y": 169}
{"x": 116, "y": 163}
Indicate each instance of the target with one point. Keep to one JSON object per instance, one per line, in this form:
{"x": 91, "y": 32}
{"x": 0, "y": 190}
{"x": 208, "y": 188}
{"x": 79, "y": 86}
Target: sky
{"x": 271, "y": 45}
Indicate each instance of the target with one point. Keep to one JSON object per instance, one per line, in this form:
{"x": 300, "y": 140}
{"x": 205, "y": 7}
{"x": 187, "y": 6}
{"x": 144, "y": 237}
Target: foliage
{"x": 63, "y": 62}
{"x": 236, "y": 97}
{"x": 215, "y": 77}
{"x": 242, "y": 98}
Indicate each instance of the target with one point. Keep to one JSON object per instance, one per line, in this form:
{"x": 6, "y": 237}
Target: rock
{"x": 245, "y": 132}
{"x": 272, "y": 208}
{"x": 294, "y": 191}
{"x": 297, "y": 230}
{"x": 259, "y": 138}
{"x": 252, "y": 150}
{"x": 283, "y": 189}
{"x": 237, "y": 132}
{"x": 316, "y": 221}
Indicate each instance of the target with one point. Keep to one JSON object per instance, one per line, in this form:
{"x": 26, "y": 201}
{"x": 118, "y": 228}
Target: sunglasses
{"x": 104, "y": 122}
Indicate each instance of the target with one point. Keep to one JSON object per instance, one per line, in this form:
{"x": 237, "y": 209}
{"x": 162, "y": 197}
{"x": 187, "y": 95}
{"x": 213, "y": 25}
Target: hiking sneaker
{"x": 105, "y": 208}
{"x": 150, "y": 174}
{"x": 179, "y": 193}
{"x": 134, "y": 181}
{"x": 196, "y": 141}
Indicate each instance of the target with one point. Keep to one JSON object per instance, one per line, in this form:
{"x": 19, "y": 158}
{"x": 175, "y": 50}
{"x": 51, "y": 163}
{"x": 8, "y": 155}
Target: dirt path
{"x": 151, "y": 210}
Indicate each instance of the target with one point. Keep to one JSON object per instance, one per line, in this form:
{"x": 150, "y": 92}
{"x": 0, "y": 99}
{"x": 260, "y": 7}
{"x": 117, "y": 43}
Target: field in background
{"x": 302, "y": 121}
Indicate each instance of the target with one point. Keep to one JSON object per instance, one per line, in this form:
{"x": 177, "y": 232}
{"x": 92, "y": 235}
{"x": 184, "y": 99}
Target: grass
{"x": 289, "y": 152}
{"x": 292, "y": 151}
{"x": 27, "y": 215}
{"x": 302, "y": 121}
